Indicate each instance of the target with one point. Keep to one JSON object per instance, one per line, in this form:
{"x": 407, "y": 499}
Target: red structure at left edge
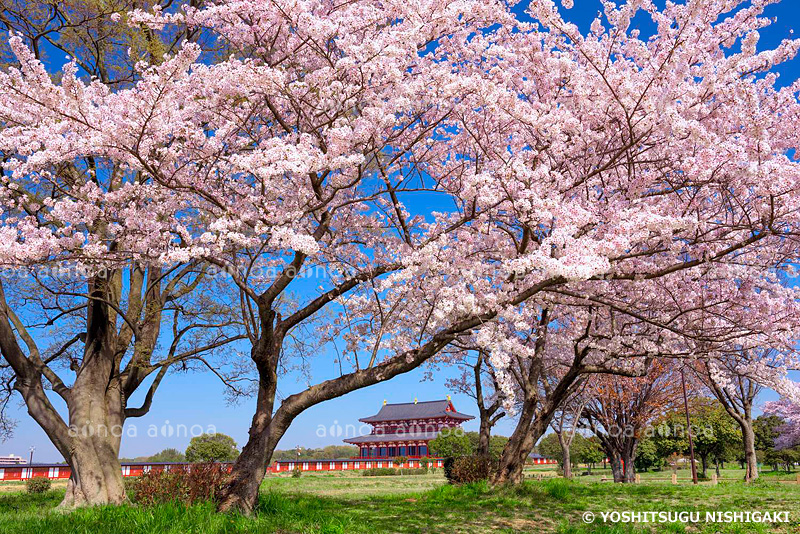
{"x": 62, "y": 471}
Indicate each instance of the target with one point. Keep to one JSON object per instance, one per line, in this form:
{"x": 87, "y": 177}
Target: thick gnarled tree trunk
{"x": 89, "y": 440}
{"x": 96, "y": 474}
{"x": 96, "y": 417}
{"x": 518, "y": 447}
{"x": 90, "y": 444}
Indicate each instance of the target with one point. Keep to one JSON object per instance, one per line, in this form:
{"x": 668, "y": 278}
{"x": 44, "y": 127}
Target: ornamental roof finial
{"x": 415, "y": 400}
{"x": 384, "y": 402}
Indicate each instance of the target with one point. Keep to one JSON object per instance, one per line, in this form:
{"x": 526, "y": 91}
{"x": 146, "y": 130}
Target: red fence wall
{"x": 61, "y": 471}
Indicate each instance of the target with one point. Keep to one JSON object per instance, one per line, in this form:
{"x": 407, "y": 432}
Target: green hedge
{"x": 380, "y": 472}
{"x": 389, "y": 471}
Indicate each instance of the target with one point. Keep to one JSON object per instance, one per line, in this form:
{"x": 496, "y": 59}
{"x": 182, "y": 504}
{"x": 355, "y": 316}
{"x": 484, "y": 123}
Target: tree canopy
{"x": 211, "y": 448}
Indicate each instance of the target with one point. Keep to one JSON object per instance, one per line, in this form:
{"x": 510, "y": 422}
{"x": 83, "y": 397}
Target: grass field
{"x": 345, "y": 502}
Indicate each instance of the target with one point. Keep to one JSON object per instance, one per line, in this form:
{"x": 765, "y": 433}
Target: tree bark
{"x": 535, "y": 415}
{"x": 488, "y": 415}
{"x": 567, "y": 462}
{"x": 621, "y": 455}
{"x": 751, "y": 461}
{"x": 615, "y": 462}
{"x": 97, "y": 401}
{"x": 96, "y": 415}
{"x": 90, "y": 443}
{"x": 250, "y": 467}
{"x": 740, "y": 407}
{"x": 519, "y": 445}
{"x": 96, "y": 474}
{"x": 484, "y": 435}
{"x": 629, "y": 469}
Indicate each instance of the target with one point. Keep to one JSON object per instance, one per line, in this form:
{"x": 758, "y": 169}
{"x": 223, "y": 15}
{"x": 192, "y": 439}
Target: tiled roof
{"x": 382, "y": 438}
{"x": 419, "y": 410}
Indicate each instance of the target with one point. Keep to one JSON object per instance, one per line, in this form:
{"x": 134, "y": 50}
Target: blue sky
{"x": 196, "y": 400}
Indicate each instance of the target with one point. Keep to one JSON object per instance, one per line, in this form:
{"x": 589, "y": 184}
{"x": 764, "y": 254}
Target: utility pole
{"x": 688, "y": 427}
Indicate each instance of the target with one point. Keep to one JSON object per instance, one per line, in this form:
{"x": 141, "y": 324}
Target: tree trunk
{"x": 629, "y": 470}
{"x": 520, "y": 444}
{"x": 248, "y": 471}
{"x": 96, "y": 477}
{"x": 488, "y": 415}
{"x": 267, "y": 428}
{"x": 96, "y": 417}
{"x": 483, "y": 437}
{"x": 530, "y": 428}
{"x": 90, "y": 443}
{"x": 751, "y": 461}
{"x": 566, "y": 463}
{"x": 704, "y": 465}
{"x": 616, "y": 464}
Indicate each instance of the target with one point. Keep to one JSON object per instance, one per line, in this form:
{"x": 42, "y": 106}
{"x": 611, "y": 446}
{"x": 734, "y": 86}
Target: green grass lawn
{"x": 344, "y": 503}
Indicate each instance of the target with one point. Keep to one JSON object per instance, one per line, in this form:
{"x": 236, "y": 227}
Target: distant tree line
{"x": 329, "y": 452}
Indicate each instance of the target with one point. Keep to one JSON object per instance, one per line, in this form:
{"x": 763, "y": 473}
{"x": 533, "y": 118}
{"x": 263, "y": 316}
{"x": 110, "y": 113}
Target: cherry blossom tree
{"x": 735, "y": 383}
{"x": 789, "y": 432}
{"x": 95, "y": 342}
{"x": 565, "y": 424}
{"x": 81, "y": 318}
{"x": 552, "y": 360}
